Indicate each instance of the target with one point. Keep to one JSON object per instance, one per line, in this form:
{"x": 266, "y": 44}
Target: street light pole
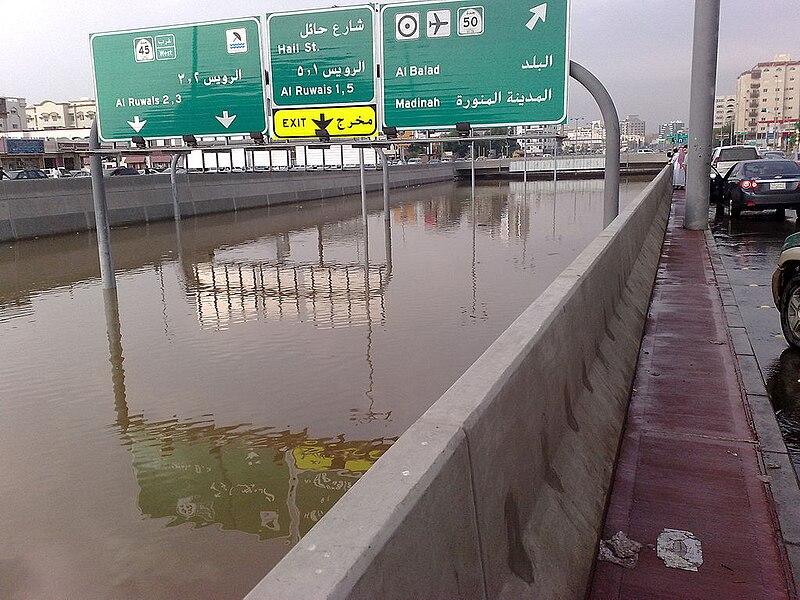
{"x": 701, "y": 112}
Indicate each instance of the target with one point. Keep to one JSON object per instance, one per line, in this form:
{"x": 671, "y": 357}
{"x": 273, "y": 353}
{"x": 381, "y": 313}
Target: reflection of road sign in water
{"x": 321, "y": 59}
{"x": 407, "y": 26}
{"x": 489, "y": 64}
{"x": 204, "y": 79}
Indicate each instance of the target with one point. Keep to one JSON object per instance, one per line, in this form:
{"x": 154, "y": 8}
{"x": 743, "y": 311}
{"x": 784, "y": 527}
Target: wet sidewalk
{"x": 690, "y": 458}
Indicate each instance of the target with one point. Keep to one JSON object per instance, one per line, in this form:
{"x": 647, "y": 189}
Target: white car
{"x": 725, "y": 157}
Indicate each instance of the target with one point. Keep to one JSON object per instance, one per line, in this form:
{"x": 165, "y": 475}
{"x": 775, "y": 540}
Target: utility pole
{"x": 701, "y": 112}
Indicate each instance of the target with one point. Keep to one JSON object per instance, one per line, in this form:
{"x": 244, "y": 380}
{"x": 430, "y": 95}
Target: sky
{"x": 640, "y": 49}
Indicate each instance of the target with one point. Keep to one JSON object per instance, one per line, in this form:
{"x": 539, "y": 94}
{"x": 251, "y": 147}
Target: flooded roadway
{"x": 750, "y": 247}
{"x": 177, "y": 443}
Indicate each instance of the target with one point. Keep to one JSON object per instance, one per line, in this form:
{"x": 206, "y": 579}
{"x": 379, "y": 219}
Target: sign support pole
{"x": 173, "y": 178}
{"x": 385, "y": 165}
{"x": 472, "y": 164}
{"x": 701, "y": 112}
{"x": 611, "y": 118}
{"x": 101, "y": 212}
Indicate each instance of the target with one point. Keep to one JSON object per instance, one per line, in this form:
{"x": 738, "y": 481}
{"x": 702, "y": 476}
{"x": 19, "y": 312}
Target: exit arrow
{"x": 226, "y": 119}
{"x": 322, "y": 122}
{"x": 136, "y": 124}
{"x": 539, "y": 14}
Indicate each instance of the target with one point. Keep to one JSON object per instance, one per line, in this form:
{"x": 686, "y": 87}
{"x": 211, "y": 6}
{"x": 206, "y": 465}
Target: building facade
{"x": 671, "y": 129}
{"x": 632, "y": 126}
{"x": 74, "y": 114}
{"x": 12, "y": 114}
{"x": 724, "y": 110}
{"x": 768, "y": 101}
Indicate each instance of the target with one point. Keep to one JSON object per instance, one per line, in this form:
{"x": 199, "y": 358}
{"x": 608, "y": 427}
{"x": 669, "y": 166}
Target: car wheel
{"x": 780, "y": 213}
{"x": 733, "y": 211}
{"x": 790, "y": 311}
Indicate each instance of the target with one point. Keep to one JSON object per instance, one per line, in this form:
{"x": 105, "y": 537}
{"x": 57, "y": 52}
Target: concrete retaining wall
{"x": 37, "y": 208}
{"x": 499, "y": 490}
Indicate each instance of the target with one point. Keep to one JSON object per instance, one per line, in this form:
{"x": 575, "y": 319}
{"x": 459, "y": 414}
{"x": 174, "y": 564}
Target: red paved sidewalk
{"x": 689, "y": 456}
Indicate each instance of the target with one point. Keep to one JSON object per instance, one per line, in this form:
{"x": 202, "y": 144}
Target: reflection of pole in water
{"x": 474, "y": 256}
{"x": 114, "y": 332}
{"x": 291, "y": 499}
{"x": 364, "y": 216}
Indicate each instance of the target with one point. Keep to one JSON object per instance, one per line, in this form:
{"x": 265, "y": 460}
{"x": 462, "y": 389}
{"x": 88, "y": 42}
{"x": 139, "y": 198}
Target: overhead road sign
{"x": 195, "y": 79}
{"x": 489, "y": 64}
{"x": 321, "y": 59}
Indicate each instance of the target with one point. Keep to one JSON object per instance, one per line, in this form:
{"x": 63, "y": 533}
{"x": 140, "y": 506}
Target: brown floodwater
{"x": 177, "y": 442}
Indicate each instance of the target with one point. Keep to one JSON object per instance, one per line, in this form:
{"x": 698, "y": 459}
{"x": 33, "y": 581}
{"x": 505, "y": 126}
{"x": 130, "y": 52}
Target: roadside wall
{"x": 38, "y": 208}
{"x": 499, "y": 489}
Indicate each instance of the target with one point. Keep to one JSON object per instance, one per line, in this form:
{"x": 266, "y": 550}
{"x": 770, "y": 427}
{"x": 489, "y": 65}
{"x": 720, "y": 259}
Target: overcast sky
{"x": 640, "y": 49}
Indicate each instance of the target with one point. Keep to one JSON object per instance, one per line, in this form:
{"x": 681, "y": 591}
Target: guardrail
{"x": 53, "y": 206}
{"x": 499, "y": 489}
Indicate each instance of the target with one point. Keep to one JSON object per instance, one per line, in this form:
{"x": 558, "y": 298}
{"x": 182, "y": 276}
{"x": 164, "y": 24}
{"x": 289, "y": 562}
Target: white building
{"x": 12, "y": 114}
{"x": 768, "y": 100}
{"x": 724, "y": 110}
{"x": 74, "y": 114}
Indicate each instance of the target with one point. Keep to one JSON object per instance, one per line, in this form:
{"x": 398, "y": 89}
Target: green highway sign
{"x": 484, "y": 62}
{"x": 321, "y": 59}
{"x": 198, "y": 79}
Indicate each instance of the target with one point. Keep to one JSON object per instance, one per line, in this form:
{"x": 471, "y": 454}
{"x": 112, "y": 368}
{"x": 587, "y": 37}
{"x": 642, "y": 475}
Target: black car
{"x": 122, "y": 171}
{"x": 24, "y": 174}
{"x": 761, "y": 185}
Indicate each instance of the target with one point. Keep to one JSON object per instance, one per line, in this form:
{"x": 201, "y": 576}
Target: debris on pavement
{"x": 620, "y": 550}
{"x": 679, "y": 549}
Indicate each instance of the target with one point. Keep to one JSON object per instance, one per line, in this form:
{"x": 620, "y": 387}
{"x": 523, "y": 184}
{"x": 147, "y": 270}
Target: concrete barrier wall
{"x": 499, "y": 489}
{"x": 38, "y": 208}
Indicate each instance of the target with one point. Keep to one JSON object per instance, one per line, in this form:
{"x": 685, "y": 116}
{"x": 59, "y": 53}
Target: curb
{"x": 780, "y": 478}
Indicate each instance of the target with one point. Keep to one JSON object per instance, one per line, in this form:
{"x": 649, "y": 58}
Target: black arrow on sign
{"x": 322, "y": 123}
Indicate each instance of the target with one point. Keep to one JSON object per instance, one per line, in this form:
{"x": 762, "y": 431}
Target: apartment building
{"x": 12, "y": 114}
{"x": 768, "y": 100}
{"x": 724, "y": 110}
{"x": 73, "y": 114}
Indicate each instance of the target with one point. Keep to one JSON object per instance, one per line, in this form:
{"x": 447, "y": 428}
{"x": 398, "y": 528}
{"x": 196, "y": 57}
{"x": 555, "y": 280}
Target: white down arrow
{"x": 226, "y": 119}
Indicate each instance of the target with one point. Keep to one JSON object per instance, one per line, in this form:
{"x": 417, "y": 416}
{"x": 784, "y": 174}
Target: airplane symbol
{"x": 438, "y": 23}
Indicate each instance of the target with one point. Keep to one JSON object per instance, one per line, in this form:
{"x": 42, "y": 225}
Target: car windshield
{"x": 771, "y": 168}
{"x": 727, "y": 154}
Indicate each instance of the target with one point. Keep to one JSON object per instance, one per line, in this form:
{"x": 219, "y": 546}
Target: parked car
{"x": 414, "y": 161}
{"x": 56, "y": 172}
{"x": 80, "y": 173}
{"x": 760, "y": 185}
{"x": 25, "y": 174}
{"x": 121, "y": 171}
{"x": 786, "y": 289}
{"x": 725, "y": 157}
{"x": 722, "y": 159}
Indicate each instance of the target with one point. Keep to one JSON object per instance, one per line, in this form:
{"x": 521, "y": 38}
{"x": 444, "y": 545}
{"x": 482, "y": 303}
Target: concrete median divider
{"x": 499, "y": 489}
{"x": 54, "y": 206}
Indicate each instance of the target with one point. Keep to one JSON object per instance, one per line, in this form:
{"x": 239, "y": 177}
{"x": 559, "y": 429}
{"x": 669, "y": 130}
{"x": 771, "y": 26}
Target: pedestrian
{"x": 679, "y": 169}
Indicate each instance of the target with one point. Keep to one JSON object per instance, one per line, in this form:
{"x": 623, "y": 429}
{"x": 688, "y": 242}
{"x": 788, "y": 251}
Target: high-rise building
{"x": 12, "y": 114}
{"x": 671, "y": 129}
{"x": 632, "y": 125}
{"x": 768, "y": 100}
{"x": 73, "y": 114}
{"x": 724, "y": 110}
